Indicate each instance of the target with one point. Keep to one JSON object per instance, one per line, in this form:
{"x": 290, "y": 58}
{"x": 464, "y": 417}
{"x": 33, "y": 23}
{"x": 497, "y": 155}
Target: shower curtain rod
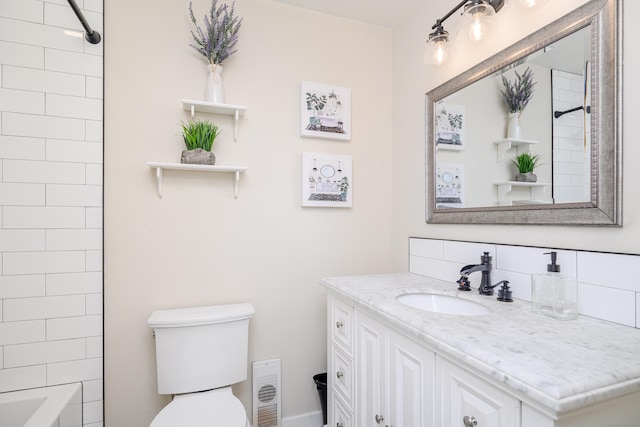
{"x": 558, "y": 114}
{"x": 92, "y": 36}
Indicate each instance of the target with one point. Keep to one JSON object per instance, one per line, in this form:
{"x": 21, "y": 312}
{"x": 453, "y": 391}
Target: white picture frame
{"x": 450, "y": 126}
{"x": 325, "y": 111}
{"x": 327, "y": 180}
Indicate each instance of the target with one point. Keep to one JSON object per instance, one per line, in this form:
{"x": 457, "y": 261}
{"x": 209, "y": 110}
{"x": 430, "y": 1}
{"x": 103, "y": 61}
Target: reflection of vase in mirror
{"x": 537, "y": 127}
{"x": 513, "y": 129}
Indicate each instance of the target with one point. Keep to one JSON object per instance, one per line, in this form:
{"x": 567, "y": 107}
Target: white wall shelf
{"x": 449, "y": 147}
{"x": 212, "y": 108}
{"x": 505, "y": 144}
{"x": 159, "y": 167}
{"x": 537, "y": 188}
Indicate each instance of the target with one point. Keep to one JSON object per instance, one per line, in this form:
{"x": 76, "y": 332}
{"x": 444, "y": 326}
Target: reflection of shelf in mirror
{"x": 537, "y": 188}
{"x": 507, "y": 143}
{"x": 209, "y": 107}
{"x": 159, "y": 167}
{"x": 449, "y": 147}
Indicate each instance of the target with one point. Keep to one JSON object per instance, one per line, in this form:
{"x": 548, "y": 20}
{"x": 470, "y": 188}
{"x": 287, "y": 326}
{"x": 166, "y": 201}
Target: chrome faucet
{"x": 484, "y": 267}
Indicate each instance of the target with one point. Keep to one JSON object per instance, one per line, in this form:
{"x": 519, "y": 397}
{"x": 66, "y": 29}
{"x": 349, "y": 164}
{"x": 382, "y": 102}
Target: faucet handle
{"x": 504, "y": 293}
{"x": 463, "y": 283}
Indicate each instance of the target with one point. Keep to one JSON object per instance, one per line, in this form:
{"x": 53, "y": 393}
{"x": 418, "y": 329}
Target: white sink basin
{"x": 446, "y": 304}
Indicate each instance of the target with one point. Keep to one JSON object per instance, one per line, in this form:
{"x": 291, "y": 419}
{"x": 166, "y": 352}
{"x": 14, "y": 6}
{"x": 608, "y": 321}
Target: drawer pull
{"x": 339, "y": 324}
{"x": 339, "y": 425}
{"x": 379, "y": 419}
{"x": 470, "y": 421}
{"x": 339, "y": 374}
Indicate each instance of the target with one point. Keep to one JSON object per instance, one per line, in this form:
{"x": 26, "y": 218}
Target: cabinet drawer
{"x": 462, "y": 394}
{"x": 342, "y": 377}
{"x": 341, "y": 416}
{"x": 341, "y": 324}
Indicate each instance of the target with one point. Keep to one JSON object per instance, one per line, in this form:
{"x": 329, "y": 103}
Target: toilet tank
{"x": 201, "y": 348}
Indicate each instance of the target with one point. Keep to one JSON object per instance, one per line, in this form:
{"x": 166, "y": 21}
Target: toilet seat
{"x": 213, "y": 408}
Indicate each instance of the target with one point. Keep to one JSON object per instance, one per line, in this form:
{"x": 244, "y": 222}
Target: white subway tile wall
{"x": 51, "y": 153}
{"x": 604, "y": 289}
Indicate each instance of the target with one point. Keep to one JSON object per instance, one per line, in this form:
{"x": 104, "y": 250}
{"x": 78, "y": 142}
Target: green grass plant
{"x": 199, "y": 134}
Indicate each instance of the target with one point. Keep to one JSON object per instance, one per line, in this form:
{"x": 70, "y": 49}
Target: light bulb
{"x": 438, "y": 50}
{"x": 477, "y": 22}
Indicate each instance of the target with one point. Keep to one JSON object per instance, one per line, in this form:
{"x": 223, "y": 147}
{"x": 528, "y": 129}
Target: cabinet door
{"x": 466, "y": 400}
{"x": 370, "y": 361}
{"x": 411, "y": 383}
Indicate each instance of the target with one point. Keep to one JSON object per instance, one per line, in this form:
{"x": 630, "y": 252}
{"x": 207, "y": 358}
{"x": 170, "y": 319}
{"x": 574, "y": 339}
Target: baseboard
{"x": 311, "y": 419}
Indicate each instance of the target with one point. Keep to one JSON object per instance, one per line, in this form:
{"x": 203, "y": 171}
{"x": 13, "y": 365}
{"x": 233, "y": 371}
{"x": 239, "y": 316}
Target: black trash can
{"x": 321, "y": 385}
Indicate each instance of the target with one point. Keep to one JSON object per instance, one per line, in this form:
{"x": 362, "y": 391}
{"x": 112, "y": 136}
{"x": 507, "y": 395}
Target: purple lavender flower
{"x": 220, "y": 33}
{"x": 517, "y": 95}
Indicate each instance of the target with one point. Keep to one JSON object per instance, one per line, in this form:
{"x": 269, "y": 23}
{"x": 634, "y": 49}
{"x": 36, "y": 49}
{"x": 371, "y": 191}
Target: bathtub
{"x": 56, "y": 406}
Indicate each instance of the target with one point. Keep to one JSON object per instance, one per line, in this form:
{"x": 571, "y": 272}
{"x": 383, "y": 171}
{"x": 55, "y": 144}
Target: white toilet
{"x": 200, "y": 353}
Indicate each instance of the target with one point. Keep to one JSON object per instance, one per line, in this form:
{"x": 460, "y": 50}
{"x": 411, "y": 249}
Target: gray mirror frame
{"x": 605, "y": 208}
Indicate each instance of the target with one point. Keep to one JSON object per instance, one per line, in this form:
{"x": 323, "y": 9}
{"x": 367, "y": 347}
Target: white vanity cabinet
{"x": 407, "y": 368}
{"x": 389, "y": 380}
{"x": 463, "y": 399}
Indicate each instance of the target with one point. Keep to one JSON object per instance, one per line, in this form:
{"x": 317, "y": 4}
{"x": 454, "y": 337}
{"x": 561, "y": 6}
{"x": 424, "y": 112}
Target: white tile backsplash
{"x": 614, "y": 305}
{"x": 43, "y": 217}
{"x": 42, "y": 126}
{"x": 31, "y": 285}
{"x": 42, "y": 80}
{"x": 74, "y": 107}
{"x": 44, "y": 352}
{"x": 73, "y": 62}
{"x": 604, "y": 290}
{"x": 51, "y": 110}
{"x": 31, "y": 33}
{"x": 74, "y": 327}
{"x": 74, "y": 195}
{"x": 18, "y": 309}
{"x": 467, "y": 253}
{"x": 41, "y": 171}
{"x": 43, "y": 262}
{"x": 21, "y": 55}
{"x": 18, "y": 147}
{"x": 73, "y": 283}
{"x": 21, "y": 101}
{"x": 73, "y": 151}
{"x": 22, "y": 378}
{"x": 22, "y": 194}
{"x": 24, "y": 10}
{"x": 74, "y": 371}
{"x": 611, "y": 270}
{"x": 22, "y": 332}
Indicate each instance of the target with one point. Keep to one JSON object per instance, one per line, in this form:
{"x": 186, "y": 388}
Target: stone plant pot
{"x": 527, "y": 177}
{"x": 198, "y": 157}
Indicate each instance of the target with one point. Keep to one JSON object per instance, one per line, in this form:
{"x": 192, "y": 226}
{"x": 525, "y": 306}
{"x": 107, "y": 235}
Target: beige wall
{"x": 198, "y": 245}
{"x": 411, "y": 79}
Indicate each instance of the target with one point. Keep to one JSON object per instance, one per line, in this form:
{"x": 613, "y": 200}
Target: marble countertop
{"x": 562, "y": 365}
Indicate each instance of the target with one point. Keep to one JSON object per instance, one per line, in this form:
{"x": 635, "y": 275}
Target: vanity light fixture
{"x": 477, "y": 18}
{"x": 532, "y": 3}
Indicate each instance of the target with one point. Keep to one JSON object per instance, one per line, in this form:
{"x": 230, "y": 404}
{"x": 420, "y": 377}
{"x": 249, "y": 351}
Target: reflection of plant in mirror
{"x": 516, "y": 95}
{"x": 526, "y": 162}
{"x": 455, "y": 120}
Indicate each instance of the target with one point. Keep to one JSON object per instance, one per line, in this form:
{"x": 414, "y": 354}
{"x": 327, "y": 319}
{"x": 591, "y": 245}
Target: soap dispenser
{"x": 553, "y": 294}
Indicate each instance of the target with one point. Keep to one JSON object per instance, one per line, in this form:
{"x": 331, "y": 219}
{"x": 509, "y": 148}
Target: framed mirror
{"x": 572, "y": 125}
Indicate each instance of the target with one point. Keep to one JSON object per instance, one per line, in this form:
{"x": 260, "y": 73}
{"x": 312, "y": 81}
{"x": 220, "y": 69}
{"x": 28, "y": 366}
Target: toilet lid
{"x": 214, "y": 408}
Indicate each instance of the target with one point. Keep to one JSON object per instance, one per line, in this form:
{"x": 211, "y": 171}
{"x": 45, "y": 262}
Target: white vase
{"x": 513, "y": 130}
{"x": 214, "y": 91}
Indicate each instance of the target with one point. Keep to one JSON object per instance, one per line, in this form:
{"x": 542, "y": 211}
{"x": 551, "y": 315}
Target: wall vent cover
{"x": 266, "y": 394}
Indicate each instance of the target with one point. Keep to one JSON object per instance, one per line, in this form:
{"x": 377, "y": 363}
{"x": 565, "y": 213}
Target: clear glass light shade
{"x": 438, "y": 50}
{"x": 477, "y": 21}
